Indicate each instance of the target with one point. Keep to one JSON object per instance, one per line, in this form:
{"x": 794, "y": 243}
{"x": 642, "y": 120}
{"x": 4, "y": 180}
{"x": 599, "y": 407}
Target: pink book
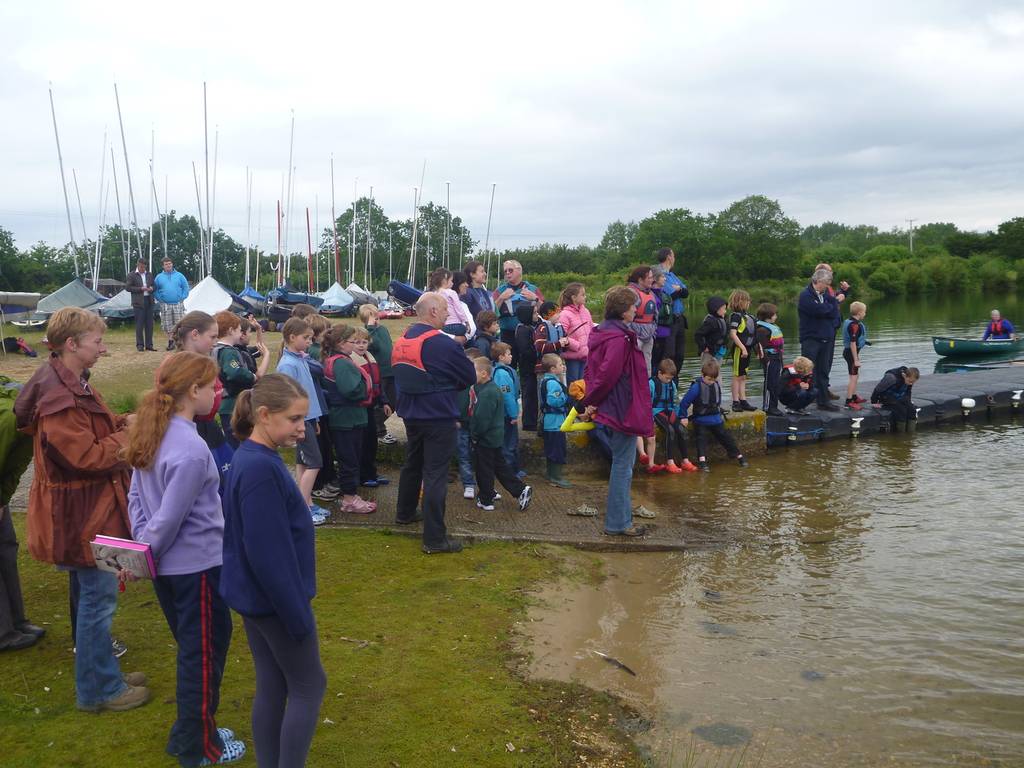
{"x": 115, "y": 555}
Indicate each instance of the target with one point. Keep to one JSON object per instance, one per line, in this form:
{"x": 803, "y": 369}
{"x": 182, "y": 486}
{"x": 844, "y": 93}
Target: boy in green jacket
{"x": 487, "y": 431}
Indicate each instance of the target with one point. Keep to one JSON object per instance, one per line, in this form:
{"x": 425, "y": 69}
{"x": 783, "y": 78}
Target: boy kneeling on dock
{"x": 894, "y": 392}
{"x": 796, "y": 387}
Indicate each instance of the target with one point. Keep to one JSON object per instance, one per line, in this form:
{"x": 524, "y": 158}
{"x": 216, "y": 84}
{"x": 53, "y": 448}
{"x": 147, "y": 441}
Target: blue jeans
{"x": 97, "y": 672}
{"x": 465, "y": 459}
{"x": 510, "y": 445}
{"x": 574, "y": 370}
{"x": 618, "y": 514}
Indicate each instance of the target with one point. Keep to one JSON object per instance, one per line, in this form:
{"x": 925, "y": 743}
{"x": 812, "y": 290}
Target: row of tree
{"x": 751, "y": 240}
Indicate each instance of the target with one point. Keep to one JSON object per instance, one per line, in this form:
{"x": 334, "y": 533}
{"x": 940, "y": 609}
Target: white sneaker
{"x": 525, "y": 497}
{"x": 469, "y": 492}
{"x": 485, "y": 507}
{"x": 388, "y": 439}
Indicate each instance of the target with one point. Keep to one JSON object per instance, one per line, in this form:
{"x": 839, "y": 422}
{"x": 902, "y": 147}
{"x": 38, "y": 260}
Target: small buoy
{"x": 967, "y": 403}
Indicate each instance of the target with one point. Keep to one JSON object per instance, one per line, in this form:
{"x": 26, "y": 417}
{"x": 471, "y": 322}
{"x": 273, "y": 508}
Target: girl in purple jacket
{"x": 174, "y": 506}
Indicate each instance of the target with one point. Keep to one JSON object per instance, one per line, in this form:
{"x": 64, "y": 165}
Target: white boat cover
{"x": 362, "y": 295}
{"x": 208, "y": 296}
{"x": 336, "y": 297}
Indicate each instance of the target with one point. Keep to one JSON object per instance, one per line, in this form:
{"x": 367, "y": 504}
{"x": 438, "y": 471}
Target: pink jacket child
{"x": 578, "y": 324}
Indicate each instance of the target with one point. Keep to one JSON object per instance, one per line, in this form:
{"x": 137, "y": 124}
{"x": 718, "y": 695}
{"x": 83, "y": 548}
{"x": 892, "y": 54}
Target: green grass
{"x": 418, "y": 652}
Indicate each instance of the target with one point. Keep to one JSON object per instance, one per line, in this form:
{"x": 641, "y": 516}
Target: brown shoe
{"x": 131, "y": 697}
{"x": 135, "y": 678}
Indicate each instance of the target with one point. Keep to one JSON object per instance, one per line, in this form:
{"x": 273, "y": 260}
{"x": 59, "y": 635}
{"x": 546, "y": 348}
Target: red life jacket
{"x": 647, "y": 312}
{"x": 373, "y": 370}
{"x": 332, "y": 393}
{"x": 995, "y": 328}
{"x": 411, "y": 376}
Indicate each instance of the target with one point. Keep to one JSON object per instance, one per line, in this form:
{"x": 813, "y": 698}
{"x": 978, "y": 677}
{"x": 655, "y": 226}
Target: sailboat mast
{"x": 81, "y": 214}
{"x": 63, "y": 182}
{"x": 447, "y": 222}
{"x": 213, "y": 209}
{"x": 202, "y": 231}
{"x": 280, "y": 274}
{"x": 152, "y": 193}
{"x": 368, "y": 267}
{"x": 259, "y": 239}
{"x": 487, "y": 239}
{"x": 208, "y": 253}
{"x": 309, "y": 255}
{"x": 120, "y": 220}
{"x": 334, "y": 229}
{"x": 128, "y": 173}
{"x": 101, "y": 206}
{"x": 288, "y": 191}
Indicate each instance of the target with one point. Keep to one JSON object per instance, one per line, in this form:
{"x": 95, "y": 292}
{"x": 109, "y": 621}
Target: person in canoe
{"x": 999, "y": 328}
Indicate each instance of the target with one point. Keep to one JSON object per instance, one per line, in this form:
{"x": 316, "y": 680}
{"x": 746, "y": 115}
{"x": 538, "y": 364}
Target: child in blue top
{"x": 855, "y": 338}
{"x": 507, "y": 380}
{"x": 298, "y": 336}
{"x": 554, "y": 405}
{"x": 269, "y": 571}
{"x": 663, "y": 405}
{"x": 705, "y": 395}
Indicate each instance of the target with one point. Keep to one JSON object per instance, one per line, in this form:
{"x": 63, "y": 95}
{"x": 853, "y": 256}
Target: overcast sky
{"x": 580, "y": 112}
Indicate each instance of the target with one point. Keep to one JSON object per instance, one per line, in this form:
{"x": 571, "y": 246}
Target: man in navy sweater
{"x": 430, "y": 369}
{"x": 818, "y": 310}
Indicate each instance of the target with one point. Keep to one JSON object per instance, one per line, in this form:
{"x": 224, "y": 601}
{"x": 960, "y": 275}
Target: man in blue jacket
{"x": 171, "y": 292}
{"x": 430, "y": 369}
{"x": 818, "y": 311}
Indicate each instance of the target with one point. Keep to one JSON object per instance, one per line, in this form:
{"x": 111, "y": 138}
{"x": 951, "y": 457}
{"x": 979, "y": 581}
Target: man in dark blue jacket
{"x": 430, "y": 369}
{"x": 818, "y": 311}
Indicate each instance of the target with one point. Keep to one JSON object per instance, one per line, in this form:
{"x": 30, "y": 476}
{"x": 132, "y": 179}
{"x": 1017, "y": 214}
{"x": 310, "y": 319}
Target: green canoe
{"x": 948, "y": 347}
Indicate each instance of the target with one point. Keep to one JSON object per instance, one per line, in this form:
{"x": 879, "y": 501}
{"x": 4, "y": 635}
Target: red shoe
{"x": 654, "y": 469}
{"x": 673, "y": 469}
{"x": 644, "y": 458}
{"x": 859, "y": 399}
{"x": 688, "y": 466}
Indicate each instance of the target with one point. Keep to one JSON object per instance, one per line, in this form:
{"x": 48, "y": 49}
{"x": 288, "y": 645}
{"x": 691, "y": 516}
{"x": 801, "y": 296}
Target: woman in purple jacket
{"x": 618, "y": 395}
{"x": 174, "y": 506}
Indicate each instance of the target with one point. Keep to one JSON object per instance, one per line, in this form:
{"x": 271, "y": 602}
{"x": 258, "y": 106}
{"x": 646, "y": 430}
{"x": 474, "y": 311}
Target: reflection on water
{"x": 872, "y": 611}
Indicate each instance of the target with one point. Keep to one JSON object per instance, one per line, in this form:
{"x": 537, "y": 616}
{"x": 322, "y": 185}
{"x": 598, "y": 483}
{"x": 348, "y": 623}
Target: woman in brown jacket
{"x": 79, "y": 490}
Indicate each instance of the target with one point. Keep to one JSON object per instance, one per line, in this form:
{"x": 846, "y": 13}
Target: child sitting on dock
{"x": 705, "y": 395}
{"x": 663, "y": 402}
{"x": 796, "y": 388}
{"x": 770, "y": 345}
{"x": 741, "y": 336}
{"x": 855, "y": 338}
{"x": 894, "y": 392}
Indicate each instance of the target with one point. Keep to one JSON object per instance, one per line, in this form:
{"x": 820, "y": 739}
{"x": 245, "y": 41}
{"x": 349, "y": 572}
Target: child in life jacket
{"x": 349, "y": 393}
{"x": 894, "y": 392}
{"x": 548, "y": 337}
{"x": 361, "y": 356}
{"x": 713, "y": 331}
{"x": 770, "y": 344}
{"x": 796, "y": 385}
{"x": 554, "y": 405}
{"x": 486, "y": 333}
{"x": 855, "y": 338}
{"x": 705, "y": 397}
{"x": 742, "y": 330}
{"x": 663, "y": 403}
{"x": 507, "y": 381}
{"x": 526, "y": 355}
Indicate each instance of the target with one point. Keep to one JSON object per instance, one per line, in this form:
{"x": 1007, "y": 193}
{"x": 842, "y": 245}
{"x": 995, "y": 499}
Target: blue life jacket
{"x": 664, "y": 395}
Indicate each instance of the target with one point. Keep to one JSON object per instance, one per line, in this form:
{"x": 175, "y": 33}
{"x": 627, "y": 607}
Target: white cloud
{"x": 580, "y": 112}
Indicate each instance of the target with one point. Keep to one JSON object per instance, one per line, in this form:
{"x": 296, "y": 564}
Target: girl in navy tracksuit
{"x": 269, "y": 571}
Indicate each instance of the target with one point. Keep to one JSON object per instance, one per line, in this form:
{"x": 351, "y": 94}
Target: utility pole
{"x": 911, "y": 223}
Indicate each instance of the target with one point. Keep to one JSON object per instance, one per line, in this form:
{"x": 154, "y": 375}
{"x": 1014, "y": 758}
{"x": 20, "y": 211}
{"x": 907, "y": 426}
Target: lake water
{"x": 870, "y": 610}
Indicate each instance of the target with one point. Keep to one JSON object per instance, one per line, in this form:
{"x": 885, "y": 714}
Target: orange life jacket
{"x": 411, "y": 376}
